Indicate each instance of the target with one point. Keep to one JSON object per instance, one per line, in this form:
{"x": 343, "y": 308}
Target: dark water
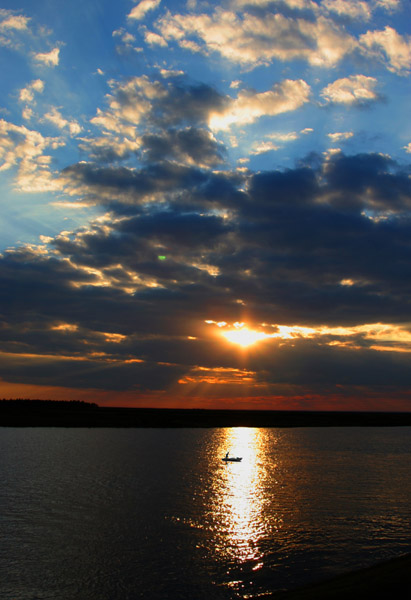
{"x": 118, "y": 514}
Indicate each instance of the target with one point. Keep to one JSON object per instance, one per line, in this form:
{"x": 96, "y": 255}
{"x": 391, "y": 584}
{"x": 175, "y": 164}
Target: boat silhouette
{"x": 232, "y": 458}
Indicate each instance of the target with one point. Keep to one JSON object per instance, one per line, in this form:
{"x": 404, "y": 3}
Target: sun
{"x": 243, "y": 336}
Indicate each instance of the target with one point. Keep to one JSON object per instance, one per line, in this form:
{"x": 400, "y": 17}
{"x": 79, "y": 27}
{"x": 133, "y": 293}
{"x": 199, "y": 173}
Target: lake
{"x": 121, "y": 514}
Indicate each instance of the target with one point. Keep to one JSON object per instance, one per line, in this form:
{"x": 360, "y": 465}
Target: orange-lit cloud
{"x": 389, "y": 337}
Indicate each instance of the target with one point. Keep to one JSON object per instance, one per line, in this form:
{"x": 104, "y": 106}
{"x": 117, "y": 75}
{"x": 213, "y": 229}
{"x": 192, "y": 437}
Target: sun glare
{"x": 244, "y": 337}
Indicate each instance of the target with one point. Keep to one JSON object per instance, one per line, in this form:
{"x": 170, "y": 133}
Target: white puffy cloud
{"x": 388, "y": 4}
{"x": 55, "y": 117}
{"x": 143, "y": 7}
{"x": 255, "y": 39}
{"x": 49, "y": 59}
{"x": 27, "y": 93}
{"x": 340, "y": 136}
{"x": 284, "y": 137}
{"x": 26, "y": 148}
{"x": 119, "y": 123}
{"x": 356, "y": 9}
{"x": 12, "y": 26}
{"x": 125, "y": 36}
{"x": 171, "y": 73}
{"x": 10, "y": 21}
{"x": 123, "y": 115}
{"x": 250, "y": 105}
{"x": 390, "y": 47}
{"x": 280, "y": 138}
{"x": 350, "y": 90}
{"x": 260, "y": 147}
{"x": 27, "y": 113}
{"x": 407, "y": 148}
{"x": 154, "y": 39}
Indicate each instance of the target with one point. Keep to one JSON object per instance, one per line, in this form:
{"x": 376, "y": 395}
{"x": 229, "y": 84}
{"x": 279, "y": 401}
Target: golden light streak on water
{"x": 239, "y": 500}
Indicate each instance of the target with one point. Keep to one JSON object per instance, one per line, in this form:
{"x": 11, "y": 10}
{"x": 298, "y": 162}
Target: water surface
{"x": 121, "y": 514}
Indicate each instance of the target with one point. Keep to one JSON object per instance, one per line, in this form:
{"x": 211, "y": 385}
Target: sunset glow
{"x": 206, "y": 204}
{"x": 243, "y": 336}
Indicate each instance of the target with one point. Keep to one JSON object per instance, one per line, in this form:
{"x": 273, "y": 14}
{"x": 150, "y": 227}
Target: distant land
{"x": 54, "y": 413}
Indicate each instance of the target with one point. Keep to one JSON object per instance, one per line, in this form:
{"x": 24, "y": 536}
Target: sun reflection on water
{"x": 239, "y": 499}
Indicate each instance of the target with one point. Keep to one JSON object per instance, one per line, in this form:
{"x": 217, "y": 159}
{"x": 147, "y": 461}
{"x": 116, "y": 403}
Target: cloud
{"x": 390, "y": 47}
{"x": 24, "y": 35}
{"x": 252, "y": 34}
{"x": 10, "y": 21}
{"x": 355, "y": 89}
{"x": 284, "y": 137}
{"x": 129, "y": 104}
{"x": 371, "y": 183}
{"x": 27, "y": 93}
{"x": 293, "y": 4}
{"x": 125, "y": 185}
{"x": 124, "y": 35}
{"x": 13, "y": 27}
{"x": 250, "y": 105}
{"x": 315, "y": 257}
{"x": 169, "y": 101}
{"x": 142, "y": 8}
{"x": 154, "y": 39}
{"x": 109, "y": 148}
{"x": 254, "y": 39}
{"x": 26, "y": 148}
{"x": 48, "y": 59}
{"x": 355, "y": 9}
{"x": 296, "y": 253}
{"x": 98, "y": 373}
{"x": 55, "y": 117}
{"x": 388, "y": 4}
{"x": 340, "y": 136}
{"x": 266, "y": 146}
{"x": 189, "y": 145}
{"x": 260, "y": 147}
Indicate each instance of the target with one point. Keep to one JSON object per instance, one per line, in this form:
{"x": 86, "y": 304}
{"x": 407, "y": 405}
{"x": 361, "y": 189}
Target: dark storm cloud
{"x": 186, "y": 103}
{"x": 43, "y": 292}
{"x": 126, "y": 184}
{"x": 308, "y": 363}
{"x": 368, "y": 181}
{"x": 372, "y": 181}
{"x": 137, "y": 242}
{"x": 196, "y": 145}
{"x": 271, "y": 189}
{"x": 89, "y": 373}
{"x": 174, "y": 229}
{"x": 185, "y": 186}
{"x": 294, "y": 247}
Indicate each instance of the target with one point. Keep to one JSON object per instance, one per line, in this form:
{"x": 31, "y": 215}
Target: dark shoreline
{"x": 388, "y": 579}
{"x": 39, "y": 413}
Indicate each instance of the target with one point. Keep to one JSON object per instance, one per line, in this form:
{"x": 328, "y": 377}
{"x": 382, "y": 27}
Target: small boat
{"x": 232, "y": 458}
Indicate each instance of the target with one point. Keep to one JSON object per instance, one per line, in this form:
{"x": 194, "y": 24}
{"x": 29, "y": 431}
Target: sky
{"x": 206, "y": 205}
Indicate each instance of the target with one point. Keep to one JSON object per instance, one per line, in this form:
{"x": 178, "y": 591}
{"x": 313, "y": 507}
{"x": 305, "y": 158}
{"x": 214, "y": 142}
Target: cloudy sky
{"x": 206, "y": 204}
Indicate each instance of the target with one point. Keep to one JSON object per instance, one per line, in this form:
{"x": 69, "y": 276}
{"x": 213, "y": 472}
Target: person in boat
{"x": 227, "y": 455}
